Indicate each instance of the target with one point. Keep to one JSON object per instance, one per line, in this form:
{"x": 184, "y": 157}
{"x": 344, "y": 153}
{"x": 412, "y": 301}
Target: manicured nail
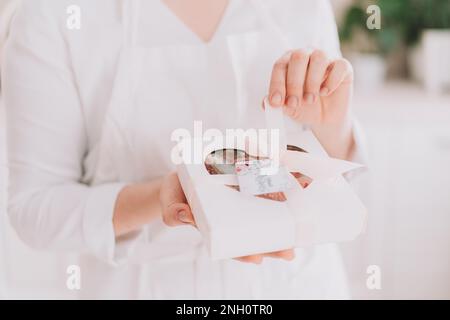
{"x": 290, "y": 256}
{"x": 310, "y": 98}
{"x": 289, "y": 111}
{"x": 324, "y": 92}
{"x": 184, "y": 217}
{"x": 277, "y": 99}
{"x": 292, "y": 102}
{"x": 257, "y": 260}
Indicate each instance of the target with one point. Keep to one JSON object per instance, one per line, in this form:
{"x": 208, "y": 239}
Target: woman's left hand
{"x": 313, "y": 89}
{"x": 316, "y": 91}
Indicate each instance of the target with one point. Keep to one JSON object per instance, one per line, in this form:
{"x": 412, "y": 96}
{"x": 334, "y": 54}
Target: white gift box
{"x": 234, "y": 224}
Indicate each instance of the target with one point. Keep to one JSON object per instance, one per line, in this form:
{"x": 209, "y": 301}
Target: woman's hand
{"x": 174, "y": 206}
{"x": 316, "y": 91}
{"x": 176, "y": 212}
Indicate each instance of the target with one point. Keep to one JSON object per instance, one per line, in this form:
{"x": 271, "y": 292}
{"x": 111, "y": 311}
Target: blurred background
{"x": 402, "y": 100}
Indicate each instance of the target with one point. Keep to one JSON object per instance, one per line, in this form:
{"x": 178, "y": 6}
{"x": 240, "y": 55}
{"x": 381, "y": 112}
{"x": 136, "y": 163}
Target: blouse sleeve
{"x": 48, "y": 205}
{"x": 328, "y": 41}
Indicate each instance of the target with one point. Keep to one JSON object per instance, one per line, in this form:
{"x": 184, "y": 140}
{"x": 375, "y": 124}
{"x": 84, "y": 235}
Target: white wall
{"x": 408, "y": 236}
{"x": 407, "y": 194}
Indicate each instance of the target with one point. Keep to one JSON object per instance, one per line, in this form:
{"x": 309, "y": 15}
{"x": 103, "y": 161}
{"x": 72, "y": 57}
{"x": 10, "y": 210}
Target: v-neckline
{"x": 191, "y": 31}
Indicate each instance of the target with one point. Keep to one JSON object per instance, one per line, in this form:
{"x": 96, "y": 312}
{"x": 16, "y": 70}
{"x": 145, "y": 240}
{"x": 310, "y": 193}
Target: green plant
{"x": 402, "y": 22}
{"x": 435, "y": 14}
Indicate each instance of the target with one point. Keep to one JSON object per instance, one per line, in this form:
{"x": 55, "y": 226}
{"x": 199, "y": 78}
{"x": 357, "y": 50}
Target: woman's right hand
{"x": 176, "y": 212}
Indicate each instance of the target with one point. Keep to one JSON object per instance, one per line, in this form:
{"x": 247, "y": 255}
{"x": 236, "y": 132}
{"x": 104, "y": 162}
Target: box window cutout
{"x": 224, "y": 162}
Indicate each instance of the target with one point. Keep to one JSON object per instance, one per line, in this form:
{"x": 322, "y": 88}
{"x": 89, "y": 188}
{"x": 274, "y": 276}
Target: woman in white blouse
{"x": 90, "y": 112}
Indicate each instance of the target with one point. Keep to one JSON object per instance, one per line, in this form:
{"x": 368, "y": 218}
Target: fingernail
{"x": 289, "y": 111}
{"x": 277, "y": 99}
{"x": 290, "y": 257}
{"x": 184, "y": 217}
{"x": 292, "y": 102}
{"x": 310, "y": 98}
{"x": 324, "y": 92}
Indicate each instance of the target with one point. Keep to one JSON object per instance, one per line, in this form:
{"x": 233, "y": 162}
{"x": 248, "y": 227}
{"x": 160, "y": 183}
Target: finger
{"x": 339, "y": 71}
{"x": 318, "y": 64}
{"x": 174, "y": 205}
{"x": 288, "y": 255}
{"x": 295, "y": 79}
{"x": 277, "y": 90}
{"x": 178, "y": 214}
{"x": 255, "y": 259}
